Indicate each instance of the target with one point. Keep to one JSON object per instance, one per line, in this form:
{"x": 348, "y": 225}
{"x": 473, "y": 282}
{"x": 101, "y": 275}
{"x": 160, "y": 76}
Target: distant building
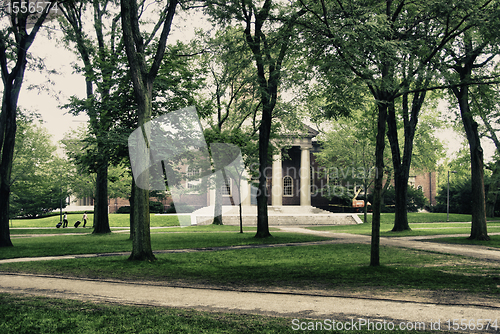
{"x": 427, "y": 182}
{"x": 294, "y": 178}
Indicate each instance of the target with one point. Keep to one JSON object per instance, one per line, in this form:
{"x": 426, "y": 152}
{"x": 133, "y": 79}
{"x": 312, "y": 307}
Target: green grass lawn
{"x": 115, "y": 220}
{"x": 421, "y": 217}
{"x": 33, "y": 315}
{"x": 420, "y": 223}
{"x": 211, "y": 228}
{"x": 328, "y": 266}
{"x": 120, "y": 242}
{"x": 19, "y": 232}
{"x": 494, "y": 242}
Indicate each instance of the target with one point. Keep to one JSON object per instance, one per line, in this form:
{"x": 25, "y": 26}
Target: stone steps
{"x": 278, "y": 216}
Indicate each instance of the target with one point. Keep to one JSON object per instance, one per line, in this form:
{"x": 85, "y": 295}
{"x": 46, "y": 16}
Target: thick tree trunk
{"x": 8, "y": 122}
{"x": 143, "y": 80}
{"x": 101, "y": 220}
{"x": 141, "y": 243}
{"x": 377, "y": 193}
{"x": 12, "y": 83}
{"x": 141, "y": 249}
{"x": 401, "y": 200}
{"x": 4, "y": 215}
{"x": 402, "y": 165}
{"x": 264, "y": 134}
{"x": 478, "y": 227}
{"x": 8, "y": 129}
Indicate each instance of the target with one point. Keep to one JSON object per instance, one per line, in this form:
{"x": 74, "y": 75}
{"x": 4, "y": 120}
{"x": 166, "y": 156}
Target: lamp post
{"x": 60, "y": 204}
{"x": 448, "y": 197}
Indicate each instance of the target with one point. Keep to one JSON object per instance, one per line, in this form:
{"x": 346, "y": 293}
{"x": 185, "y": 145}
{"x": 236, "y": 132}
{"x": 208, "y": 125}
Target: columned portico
{"x": 305, "y": 176}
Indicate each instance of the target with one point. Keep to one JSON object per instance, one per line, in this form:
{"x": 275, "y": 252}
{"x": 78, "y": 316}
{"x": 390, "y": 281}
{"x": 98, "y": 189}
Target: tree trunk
{"x": 12, "y": 83}
{"x": 264, "y": 134}
{"x": 142, "y": 80}
{"x": 478, "y": 226}
{"x": 218, "y": 201}
{"x": 241, "y": 218}
{"x": 402, "y": 165}
{"x": 141, "y": 243}
{"x": 401, "y": 200}
{"x": 491, "y": 196}
{"x": 8, "y": 129}
{"x": 141, "y": 249}
{"x": 377, "y": 193}
{"x": 400, "y": 177}
{"x": 8, "y": 122}
{"x": 131, "y": 202}
{"x": 101, "y": 220}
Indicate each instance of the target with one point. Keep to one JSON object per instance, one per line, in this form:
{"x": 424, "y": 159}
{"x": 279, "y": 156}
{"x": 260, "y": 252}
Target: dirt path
{"x": 352, "y": 310}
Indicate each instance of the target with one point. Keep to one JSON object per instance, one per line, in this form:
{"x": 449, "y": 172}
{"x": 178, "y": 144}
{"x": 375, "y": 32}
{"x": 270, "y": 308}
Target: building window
{"x": 412, "y": 180}
{"x": 87, "y": 201}
{"x": 191, "y": 174}
{"x": 287, "y": 186}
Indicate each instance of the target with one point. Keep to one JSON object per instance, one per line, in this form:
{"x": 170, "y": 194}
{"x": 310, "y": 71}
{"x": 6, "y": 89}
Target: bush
{"x": 416, "y": 199}
{"x": 154, "y": 207}
{"x": 460, "y": 197}
{"x": 181, "y": 206}
{"x": 123, "y": 209}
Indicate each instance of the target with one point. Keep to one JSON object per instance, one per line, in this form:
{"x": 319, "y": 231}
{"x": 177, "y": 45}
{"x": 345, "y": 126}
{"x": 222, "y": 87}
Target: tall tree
{"x": 100, "y": 68}
{"x": 83, "y": 181}
{"x": 232, "y": 99}
{"x": 15, "y": 41}
{"x": 472, "y": 51}
{"x": 269, "y": 29}
{"x": 143, "y": 73}
{"x": 373, "y": 41}
{"x": 402, "y": 163}
{"x": 348, "y": 153}
{"x": 39, "y": 177}
{"x": 486, "y": 99}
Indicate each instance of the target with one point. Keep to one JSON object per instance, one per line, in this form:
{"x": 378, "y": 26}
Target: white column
{"x": 212, "y": 196}
{"x": 305, "y": 176}
{"x": 245, "y": 192}
{"x": 277, "y": 189}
